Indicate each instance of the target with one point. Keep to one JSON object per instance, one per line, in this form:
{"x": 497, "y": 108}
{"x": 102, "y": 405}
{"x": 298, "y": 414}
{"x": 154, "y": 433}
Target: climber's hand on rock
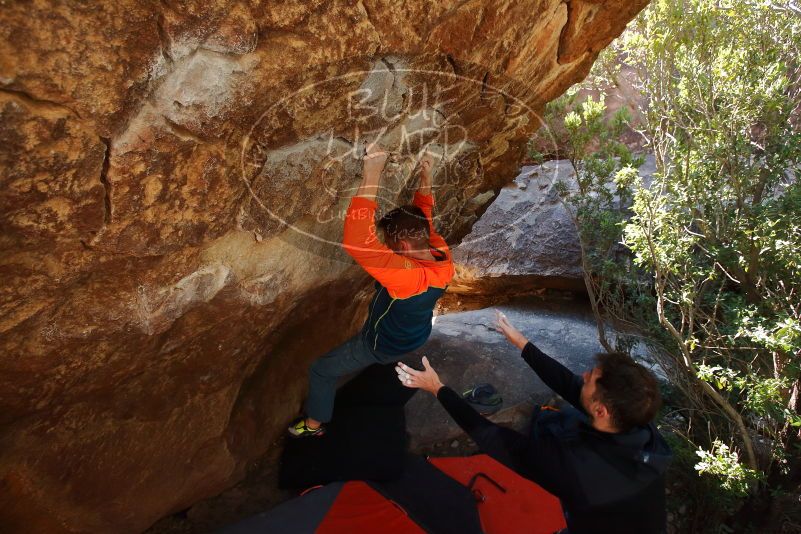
{"x": 514, "y": 335}
{"x": 374, "y": 159}
{"x": 426, "y": 173}
{"x": 427, "y": 165}
{"x": 427, "y": 379}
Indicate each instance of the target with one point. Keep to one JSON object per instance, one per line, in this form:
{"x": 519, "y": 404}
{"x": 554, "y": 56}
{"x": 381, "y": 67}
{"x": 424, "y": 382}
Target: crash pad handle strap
{"x": 478, "y": 475}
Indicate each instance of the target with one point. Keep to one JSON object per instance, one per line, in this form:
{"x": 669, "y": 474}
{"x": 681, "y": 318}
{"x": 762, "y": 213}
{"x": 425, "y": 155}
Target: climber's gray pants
{"x": 353, "y": 355}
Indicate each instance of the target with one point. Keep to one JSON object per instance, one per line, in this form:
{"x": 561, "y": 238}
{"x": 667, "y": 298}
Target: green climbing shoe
{"x": 298, "y": 429}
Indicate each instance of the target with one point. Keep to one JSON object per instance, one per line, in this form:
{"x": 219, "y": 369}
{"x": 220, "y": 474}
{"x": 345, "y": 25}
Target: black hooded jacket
{"x": 606, "y": 482}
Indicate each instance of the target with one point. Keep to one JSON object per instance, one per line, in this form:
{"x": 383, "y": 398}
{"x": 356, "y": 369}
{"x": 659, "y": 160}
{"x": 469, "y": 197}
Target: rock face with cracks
{"x": 173, "y": 181}
{"x": 526, "y": 238}
{"x": 526, "y": 233}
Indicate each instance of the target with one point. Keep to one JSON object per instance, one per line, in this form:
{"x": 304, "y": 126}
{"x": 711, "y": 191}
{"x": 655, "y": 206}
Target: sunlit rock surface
{"x": 173, "y": 180}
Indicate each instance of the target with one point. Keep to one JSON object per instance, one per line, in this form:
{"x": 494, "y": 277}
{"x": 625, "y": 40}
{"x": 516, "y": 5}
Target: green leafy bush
{"x": 724, "y": 464}
{"x": 710, "y": 274}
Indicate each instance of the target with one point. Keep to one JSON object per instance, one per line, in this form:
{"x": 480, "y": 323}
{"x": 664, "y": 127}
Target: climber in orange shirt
{"x": 412, "y": 268}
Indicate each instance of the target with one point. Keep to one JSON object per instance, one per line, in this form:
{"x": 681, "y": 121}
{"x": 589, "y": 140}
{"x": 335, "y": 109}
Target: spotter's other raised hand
{"x": 514, "y": 335}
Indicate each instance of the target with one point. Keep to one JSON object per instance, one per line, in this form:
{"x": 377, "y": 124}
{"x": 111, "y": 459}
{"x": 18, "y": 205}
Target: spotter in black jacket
{"x": 607, "y": 482}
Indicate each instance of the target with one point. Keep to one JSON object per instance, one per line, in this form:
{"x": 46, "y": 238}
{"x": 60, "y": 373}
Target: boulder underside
{"x": 173, "y": 181}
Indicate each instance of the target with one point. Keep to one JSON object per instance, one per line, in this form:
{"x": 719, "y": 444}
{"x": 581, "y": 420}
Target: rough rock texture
{"x": 172, "y": 178}
{"x": 526, "y": 237}
{"x": 526, "y": 230}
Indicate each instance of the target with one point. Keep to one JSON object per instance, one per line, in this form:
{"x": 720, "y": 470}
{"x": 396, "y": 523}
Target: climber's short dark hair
{"x": 406, "y": 223}
{"x": 628, "y": 390}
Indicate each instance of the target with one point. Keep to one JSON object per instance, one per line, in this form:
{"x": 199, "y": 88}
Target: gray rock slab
{"x": 527, "y": 230}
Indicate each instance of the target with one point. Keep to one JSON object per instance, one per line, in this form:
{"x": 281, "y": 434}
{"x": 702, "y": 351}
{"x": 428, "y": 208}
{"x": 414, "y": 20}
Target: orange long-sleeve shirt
{"x": 402, "y": 276}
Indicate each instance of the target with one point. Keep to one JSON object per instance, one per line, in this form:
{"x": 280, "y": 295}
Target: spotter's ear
{"x": 600, "y": 411}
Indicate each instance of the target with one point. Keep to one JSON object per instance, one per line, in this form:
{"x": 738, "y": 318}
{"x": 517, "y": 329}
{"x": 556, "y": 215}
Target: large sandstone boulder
{"x": 173, "y": 176}
{"x": 526, "y": 239}
{"x": 526, "y": 231}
